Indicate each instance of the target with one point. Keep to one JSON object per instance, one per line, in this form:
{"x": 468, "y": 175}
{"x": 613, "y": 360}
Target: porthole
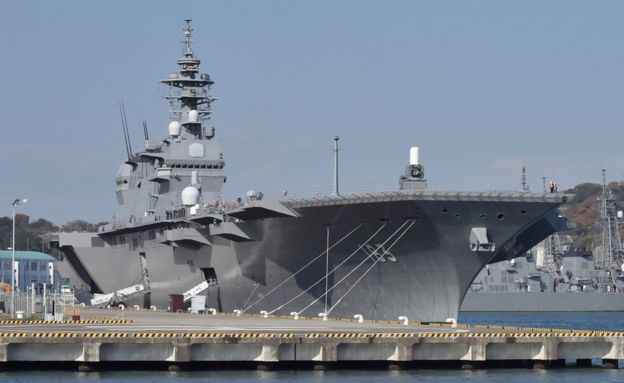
{"x": 457, "y": 215}
{"x": 523, "y": 212}
{"x": 500, "y": 216}
{"x": 444, "y": 211}
{"x": 482, "y": 216}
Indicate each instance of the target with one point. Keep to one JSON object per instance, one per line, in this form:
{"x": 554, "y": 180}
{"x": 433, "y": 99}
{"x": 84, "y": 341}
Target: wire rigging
{"x": 301, "y": 269}
{"x": 331, "y": 272}
{"x": 370, "y": 268}
{"x": 356, "y": 267}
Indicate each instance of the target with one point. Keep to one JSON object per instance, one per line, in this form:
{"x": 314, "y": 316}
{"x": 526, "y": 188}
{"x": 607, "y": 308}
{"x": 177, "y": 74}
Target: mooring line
{"x": 301, "y": 269}
{"x": 356, "y": 267}
{"x": 370, "y": 268}
{"x": 331, "y": 272}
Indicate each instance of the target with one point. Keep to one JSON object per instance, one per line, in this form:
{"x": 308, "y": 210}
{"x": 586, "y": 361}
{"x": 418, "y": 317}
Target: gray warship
{"x": 556, "y": 275}
{"x": 409, "y": 252}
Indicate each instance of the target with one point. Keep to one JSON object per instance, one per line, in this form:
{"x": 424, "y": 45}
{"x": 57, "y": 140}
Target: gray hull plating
{"x": 424, "y": 275}
{"x": 543, "y": 302}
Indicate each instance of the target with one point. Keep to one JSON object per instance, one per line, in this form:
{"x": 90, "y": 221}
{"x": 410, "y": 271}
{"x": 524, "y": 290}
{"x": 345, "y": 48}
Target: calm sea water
{"x": 606, "y": 321}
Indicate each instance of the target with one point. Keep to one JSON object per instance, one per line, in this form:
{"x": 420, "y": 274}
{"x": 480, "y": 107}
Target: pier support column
{"x": 91, "y": 351}
{"x": 478, "y": 350}
{"x": 3, "y": 352}
{"x": 610, "y": 363}
{"x": 402, "y": 353}
{"x": 328, "y": 354}
{"x": 181, "y": 351}
{"x": 583, "y": 363}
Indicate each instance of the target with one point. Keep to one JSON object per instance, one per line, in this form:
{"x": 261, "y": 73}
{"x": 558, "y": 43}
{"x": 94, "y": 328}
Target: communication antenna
{"x": 525, "y": 186}
{"x": 336, "y": 190}
{"x": 124, "y": 128}
{"x": 544, "y": 184}
{"x": 145, "y": 130}
{"x": 611, "y": 241}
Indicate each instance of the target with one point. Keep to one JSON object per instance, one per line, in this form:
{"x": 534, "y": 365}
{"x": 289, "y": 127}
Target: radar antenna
{"x": 188, "y": 91}
{"x": 188, "y": 49}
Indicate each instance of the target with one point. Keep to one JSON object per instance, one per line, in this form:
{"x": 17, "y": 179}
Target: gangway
{"x": 199, "y": 288}
{"x": 118, "y": 296}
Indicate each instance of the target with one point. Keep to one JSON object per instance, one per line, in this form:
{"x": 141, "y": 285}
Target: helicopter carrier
{"x": 408, "y": 252}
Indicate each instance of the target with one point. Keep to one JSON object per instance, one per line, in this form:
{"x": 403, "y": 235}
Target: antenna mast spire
{"x": 188, "y": 50}
{"x": 612, "y": 251}
{"x": 336, "y": 192}
{"x": 525, "y": 186}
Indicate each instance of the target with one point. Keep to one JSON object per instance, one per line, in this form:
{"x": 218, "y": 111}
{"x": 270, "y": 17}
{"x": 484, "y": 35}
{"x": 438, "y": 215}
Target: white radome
{"x": 414, "y": 160}
{"x": 193, "y": 116}
{"x": 174, "y": 128}
{"x": 190, "y": 196}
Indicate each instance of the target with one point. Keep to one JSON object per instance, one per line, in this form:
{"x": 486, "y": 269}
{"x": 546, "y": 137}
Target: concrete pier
{"x": 207, "y": 341}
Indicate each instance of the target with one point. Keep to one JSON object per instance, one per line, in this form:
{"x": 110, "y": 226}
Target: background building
{"x": 33, "y": 267}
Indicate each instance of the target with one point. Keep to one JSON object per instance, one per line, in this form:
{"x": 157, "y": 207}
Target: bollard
{"x": 212, "y": 311}
{"x": 137, "y": 307}
{"x": 153, "y": 308}
{"x": 359, "y": 318}
{"x": 323, "y": 315}
{"x": 404, "y": 319}
{"x": 264, "y": 314}
{"x": 122, "y": 307}
{"x": 237, "y": 312}
{"x": 295, "y": 315}
{"x": 452, "y": 321}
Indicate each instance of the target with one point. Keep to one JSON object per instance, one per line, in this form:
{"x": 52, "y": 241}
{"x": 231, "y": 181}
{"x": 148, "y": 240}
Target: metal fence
{"x": 28, "y": 304}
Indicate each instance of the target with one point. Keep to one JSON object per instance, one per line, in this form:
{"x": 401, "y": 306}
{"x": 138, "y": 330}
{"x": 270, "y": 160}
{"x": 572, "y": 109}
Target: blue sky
{"x": 483, "y": 87}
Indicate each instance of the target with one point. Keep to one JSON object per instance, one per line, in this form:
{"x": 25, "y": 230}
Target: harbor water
{"x": 602, "y": 320}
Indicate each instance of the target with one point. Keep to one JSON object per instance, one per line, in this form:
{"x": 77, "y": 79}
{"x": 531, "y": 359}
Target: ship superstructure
{"x": 410, "y": 252}
{"x": 188, "y": 163}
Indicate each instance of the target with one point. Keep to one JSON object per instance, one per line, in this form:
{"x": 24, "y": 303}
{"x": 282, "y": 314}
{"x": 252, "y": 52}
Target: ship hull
{"x": 421, "y": 264}
{"x": 542, "y": 302}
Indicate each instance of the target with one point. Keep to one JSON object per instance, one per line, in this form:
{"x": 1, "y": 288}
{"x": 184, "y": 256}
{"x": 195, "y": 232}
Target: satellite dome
{"x": 174, "y": 128}
{"x": 193, "y": 116}
{"x": 253, "y": 195}
{"x": 190, "y": 196}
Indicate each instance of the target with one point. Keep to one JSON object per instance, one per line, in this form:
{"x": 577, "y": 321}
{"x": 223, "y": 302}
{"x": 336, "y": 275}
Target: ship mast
{"x": 189, "y": 91}
{"x": 612, "y": 252}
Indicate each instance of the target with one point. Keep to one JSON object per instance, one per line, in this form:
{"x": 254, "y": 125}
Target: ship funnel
{"x": 174, "y": 128}
{"x": 413, "y": 155}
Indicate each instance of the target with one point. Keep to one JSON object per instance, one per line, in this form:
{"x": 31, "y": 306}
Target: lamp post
{"x": 18, "y": 201}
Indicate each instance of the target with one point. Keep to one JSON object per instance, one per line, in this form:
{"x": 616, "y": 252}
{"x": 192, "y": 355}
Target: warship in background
{"x": 410, "y": 252}
{"x": 557, "y": 276}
